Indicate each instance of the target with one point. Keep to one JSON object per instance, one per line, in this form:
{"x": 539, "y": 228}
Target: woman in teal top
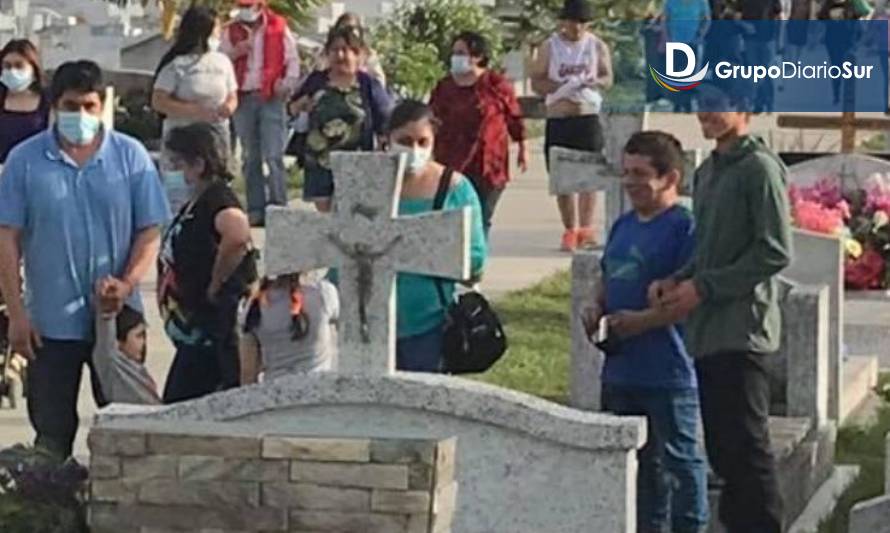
{"x": 421, "y": 317}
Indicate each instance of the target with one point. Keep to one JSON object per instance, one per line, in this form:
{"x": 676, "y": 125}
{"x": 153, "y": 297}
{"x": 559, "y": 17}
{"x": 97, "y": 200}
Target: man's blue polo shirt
{"x": 78, "y": 224}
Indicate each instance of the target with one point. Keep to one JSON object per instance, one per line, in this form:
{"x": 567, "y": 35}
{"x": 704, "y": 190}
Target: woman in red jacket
{"x": 479, "y": 114}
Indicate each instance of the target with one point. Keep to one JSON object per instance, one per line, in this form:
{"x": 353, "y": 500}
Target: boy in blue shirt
{"x": 647, "y": 371}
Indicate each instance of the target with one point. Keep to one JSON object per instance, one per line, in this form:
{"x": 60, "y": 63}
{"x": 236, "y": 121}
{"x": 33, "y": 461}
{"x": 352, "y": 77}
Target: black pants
{"x": 578, "y": 133}
{"x": 53, "y": 389}
{"x": 735, "y": 407}
{"x": 488, "y": 200}
{"x": 200, "y": 370}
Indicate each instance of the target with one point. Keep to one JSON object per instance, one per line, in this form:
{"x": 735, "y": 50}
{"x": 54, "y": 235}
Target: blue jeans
{"x": 421, "y": 353}
{"x": 673, "y": 475}
{"x": 261, "y": 127}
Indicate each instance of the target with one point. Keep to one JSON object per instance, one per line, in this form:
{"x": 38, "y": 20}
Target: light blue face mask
{"x": 17, "y": 80}
{"x": 78, "y": 127}
{"x": 460, "y": 64}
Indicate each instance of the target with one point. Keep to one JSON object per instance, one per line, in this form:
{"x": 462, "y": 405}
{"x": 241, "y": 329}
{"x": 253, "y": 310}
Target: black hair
{"x": 477, "y": 44}
{"x": 201, "y": 141}
{"x": 299, "y": 317}
{"x": 408, "y": 111}
{"x": 353, "y": 36}
{"x": 128, "y": 320}
{"x": 194, "y": 30}
{"x": 663, "y": 150}
{"x": 348, "y": 19}
{"x": 82, "y": 76}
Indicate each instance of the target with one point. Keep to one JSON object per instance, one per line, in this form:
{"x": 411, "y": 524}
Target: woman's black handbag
{"x": 474, "y": 338}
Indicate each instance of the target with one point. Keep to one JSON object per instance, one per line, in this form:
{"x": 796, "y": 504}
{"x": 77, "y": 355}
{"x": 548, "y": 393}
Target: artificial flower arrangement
{"x": 860, "y": 216}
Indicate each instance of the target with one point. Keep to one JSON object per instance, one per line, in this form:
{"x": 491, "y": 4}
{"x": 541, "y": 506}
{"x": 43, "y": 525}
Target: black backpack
{"x": 474, "y": 338}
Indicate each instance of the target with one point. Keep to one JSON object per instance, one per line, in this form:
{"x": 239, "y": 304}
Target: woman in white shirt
{"x": 572, "y": 71}
{"x": 195, "y": 83}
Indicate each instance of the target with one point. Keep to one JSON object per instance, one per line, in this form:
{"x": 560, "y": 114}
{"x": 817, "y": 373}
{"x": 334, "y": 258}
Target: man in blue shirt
{"x": 79, "y": 204}
{"x": 647, "y": 370}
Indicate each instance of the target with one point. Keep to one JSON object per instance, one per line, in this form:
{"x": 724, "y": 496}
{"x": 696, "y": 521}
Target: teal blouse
{"x": 417, "y": 304}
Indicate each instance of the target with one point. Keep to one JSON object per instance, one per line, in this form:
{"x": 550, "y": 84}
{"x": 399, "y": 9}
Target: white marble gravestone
{"x": 366, "y": 241}
{"x": 585, "y": 384}
{"x": 819, "y": 260}
{"x": 513, "y": 449}
{"x": 805, "y": 341}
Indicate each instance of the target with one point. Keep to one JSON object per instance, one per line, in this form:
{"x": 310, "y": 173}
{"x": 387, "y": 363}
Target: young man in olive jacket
{"x": 729, "y": 289}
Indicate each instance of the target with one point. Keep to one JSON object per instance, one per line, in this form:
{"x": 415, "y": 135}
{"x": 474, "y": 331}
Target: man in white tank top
{"x": 572, "y": 71}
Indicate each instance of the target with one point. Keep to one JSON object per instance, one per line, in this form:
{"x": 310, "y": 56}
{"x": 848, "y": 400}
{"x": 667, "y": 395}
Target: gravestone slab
{"x": 854, "y": 168}
{"x": 574, "y": 171}
{"x": 617, "y": 129}
{"x": 587, "y": 361}
{"x": 513, "y": 448}
{"x": 805, "y": 335}
{"x": 819, "y": 260}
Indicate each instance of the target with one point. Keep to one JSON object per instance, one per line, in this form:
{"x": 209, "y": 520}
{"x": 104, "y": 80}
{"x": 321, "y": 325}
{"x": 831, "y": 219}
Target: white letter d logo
{"x": 672, "y": 47}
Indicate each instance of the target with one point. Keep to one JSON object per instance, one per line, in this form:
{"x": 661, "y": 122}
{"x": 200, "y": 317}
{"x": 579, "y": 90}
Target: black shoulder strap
{"x": 442, "y": 191}
{"x": 438, "y": 204}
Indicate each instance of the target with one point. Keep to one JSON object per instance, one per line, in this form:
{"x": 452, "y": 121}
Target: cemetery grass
{"x": 537, "y": 321}
{"x": 862, "y": 445}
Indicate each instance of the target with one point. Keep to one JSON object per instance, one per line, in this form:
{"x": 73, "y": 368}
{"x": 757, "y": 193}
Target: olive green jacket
{"x": 743, "y": 240}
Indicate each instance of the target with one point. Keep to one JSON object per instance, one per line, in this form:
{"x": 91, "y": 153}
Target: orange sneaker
{"x": 569, "y": 240}
{"x": 586, "y": 238}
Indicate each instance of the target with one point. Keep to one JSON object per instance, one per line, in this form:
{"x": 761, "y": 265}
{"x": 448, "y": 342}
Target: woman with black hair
{"x": 24, "y": 107}
{"x": 195, "y": 83}
{"x": 480, "y": 115}
{"x": 347, "y": 111}
{"x": 205, "y": 267}
{"x": 289, "y": 327}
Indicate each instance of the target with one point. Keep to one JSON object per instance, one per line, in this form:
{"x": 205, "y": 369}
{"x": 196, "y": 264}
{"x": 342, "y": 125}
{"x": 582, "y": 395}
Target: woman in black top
{"x": 205, "y": 266}
{"x": 24, "y": 108}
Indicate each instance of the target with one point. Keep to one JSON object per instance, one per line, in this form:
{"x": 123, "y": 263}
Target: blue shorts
{"x": 318, "y": 183}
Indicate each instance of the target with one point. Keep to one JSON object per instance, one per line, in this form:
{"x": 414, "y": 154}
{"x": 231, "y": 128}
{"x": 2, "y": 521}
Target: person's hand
{"x": 224, "y": 112}
{"x": 590, "y": 318}
{"x": 243, "y": 48}
{"x": 24, "y": 339}
{"x": 283, "y": 89}
{"x": 627, "y": 323}
{"x": 303, "y": 105}
{"x": 682, "y": 299}
{"x": 113, "y": 294}
{"x": 522, "y": 158}
{"x": 657, "y": 290}
{"x": 205, "y": 114}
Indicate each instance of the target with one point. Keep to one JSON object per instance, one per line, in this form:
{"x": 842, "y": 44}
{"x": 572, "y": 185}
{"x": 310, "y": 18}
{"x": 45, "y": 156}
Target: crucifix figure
{"x": 368, "y": 243}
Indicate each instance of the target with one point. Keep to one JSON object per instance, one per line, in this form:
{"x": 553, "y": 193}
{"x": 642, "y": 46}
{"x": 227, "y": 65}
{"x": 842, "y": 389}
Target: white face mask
{"x": 248, "y": 14}
{"x": 417, "y": 159}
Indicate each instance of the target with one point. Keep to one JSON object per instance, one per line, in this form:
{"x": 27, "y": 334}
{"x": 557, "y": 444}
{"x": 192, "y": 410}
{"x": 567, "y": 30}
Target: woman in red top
{"x": 479, "y": 114}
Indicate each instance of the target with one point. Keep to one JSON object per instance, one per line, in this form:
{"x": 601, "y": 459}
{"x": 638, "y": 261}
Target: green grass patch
{"x": 863, "y": 446}
{"x": 537, "y": 323}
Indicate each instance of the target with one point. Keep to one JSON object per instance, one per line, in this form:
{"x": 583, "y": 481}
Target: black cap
{"x": 578, "y": 10}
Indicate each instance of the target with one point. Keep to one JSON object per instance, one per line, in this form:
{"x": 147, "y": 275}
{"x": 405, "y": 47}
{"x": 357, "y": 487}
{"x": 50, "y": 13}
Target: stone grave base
{"x": 805, "y": 460}
{"x": 512, "y": 449}
{"x": 157, "y": 481}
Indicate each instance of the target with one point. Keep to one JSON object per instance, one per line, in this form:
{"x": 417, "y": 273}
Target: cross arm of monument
{"x": 847, "y": 122}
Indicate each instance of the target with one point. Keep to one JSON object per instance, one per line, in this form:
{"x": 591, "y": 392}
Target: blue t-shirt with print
{"x": 638, "y": 253}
